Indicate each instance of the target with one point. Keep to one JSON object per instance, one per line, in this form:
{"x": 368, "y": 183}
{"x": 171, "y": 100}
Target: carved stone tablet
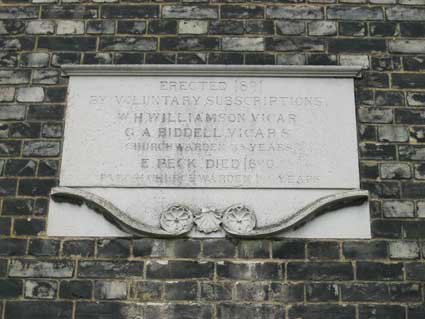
{"x": 226, "y": 139}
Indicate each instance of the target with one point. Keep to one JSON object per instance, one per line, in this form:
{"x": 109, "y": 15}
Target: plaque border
{"x": 333, "y": 71}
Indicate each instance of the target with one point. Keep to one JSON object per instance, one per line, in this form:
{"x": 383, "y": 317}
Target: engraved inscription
{"x": 200, "y": 132}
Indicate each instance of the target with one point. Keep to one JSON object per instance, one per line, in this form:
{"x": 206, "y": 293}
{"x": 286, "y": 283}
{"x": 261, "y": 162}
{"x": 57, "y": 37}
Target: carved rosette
{"x": 177, "y": 219}
{"x": 239, "y": 219}
{"x": 208, "y": 220}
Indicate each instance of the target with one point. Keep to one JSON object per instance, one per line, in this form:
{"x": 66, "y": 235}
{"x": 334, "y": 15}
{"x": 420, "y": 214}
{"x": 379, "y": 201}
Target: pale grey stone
{"x": 4, "y": 133}
{"x": 242, "y": 44}
{"x": 41, "y": 289}
{"x": 396, "y": 209}
{"x": 407, "y": 46}
{"x": 375, "y": 115}
{"x": 30, "y": 94}
{"x": 35, "y": 60}
{"x": 290, "y": 59}
{"x": 415, "y": 99}
{"x": 421, "y": 209}
{"x": 45, "y": 76}
{"x": 392, "y": 133}
{"x": 383, "y": 1}
{"x": 40, "y": 27}
{"x": 41, "y": 148}
{"x": 110, "y": 289}
{"x": 7, "y": 94}
{"x": 322, "y": 28}
{"x": 12, "y": 112}
{"x": 404, "y": 249}
{"x": 69, "y": 27}
{"x": 395, "y": 170}
{"x": 290, "y": 27}
{"x": 41, "y": 269}
{"x": 402, "y": 13}
{"x": 362, "y": 60}
{"x": 193, "y": 27}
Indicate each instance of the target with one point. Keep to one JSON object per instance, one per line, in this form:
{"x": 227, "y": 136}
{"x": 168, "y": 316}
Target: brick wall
{"x": 43, "y": 278}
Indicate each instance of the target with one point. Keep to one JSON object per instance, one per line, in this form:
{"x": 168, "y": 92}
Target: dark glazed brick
{"x": 368, "y": 170}
{"x": 226, "y": 27}
{"x": 317, "y": 312}
{"x": 7, "y": 187}
{"x": 252, "y": 291}
{"x": 67, "y": 43}
{"x": 48, "y": 168}
{"x": 162, "y": 27}
{"x": 10, "y": 288}
{"x": 83, "y": 248}
{"x": 225, "y": 58}
{"x": 128, "y": 43}
{"x": 5, "y": 225}
{"x": 184, "y": 290}
{"x": 386, "y": 63}
{"x": 219, "y": 248}
{"x": 189, "y": 43}
{"x": 383, "y": 29}
{"x": 179, "y": 269}
{"x": 410, "y": 116}
{"x": 241, "y": 12}
{"x": 382, "y": 189}
{"x": 386, "y": 228}
{"x": 353, "y": 28}
{"x": 414, "y": 230}
{"x": 69, "y": 12}
{"x": 405, "y": 292}
{"x": 286, "y": 293}
{"x": 416, "y": 63}
{"x": 408, "y": 81}
{"x": 113, "y": 248}
{"x": 20, "y": 168}
{"x": 28, "y": 227}
{"x": 322, "y": 292}
{"x": 415, "y": 271}
{"x": 147, "y": 247}
{"x": 131, "y": 27}
{"x": 323, "y": 250}
{"x": 365, "y": 292}
{"x": 377, "y": 151}
{"x": 356, "y": 45}
{"x": 365, "y": 250}
{"x": 160, "y": 58}
{"x": 17, "y": 206}
{"x": 38, "y": 310}
{"x": 381, "y": 312}
{"x": 148, "y": 290}
{"x": 57, "y": 94}
{"x": 183, "y": 248}
{"x": 34, "y": 187}
{"x": 321, "y": 59}
{"x": 129, "y": 12}
{"x": 379, "y": 271}
{"x": 320, "y": 271}
{"x": 250, "y": 311}
{"x": 12, "y": 247}
{"x": 110, "y": 269}
{"x": 129, "y": 58}
{"x": 43, "y": 247}
{"x": 416, "y": 311}
{"x": 75, "y": 289}
{"x": 294, "y": 44}
{"x": 25, "y": 129}
{"x": 288, "y": 249}
{"x": 254, "y": 249}
{"x": 412, "y": 29}
{"x": 9, "y": 148}
{"x": 248, "y": 271}
{"x": 413, "y": 190}
{"x": 212, "y": 291}
{"x": 18, "y": 12}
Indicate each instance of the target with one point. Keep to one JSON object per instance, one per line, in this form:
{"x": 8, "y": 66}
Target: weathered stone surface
{"x": 299, "y": 12}
{"x": 355, "y": 13}
{"x": 192, "y": 27}
{"x": 242, "y": 44}
{"x": 41, "y": 269}
{"x": 402, "y": 13}
{"x": 30, "y": 94}
{"x": 189, "y": 12}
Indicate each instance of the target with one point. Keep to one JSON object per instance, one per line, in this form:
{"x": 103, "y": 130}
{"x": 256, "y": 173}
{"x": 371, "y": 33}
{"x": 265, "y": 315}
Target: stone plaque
{"x": 258, "y": 143}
